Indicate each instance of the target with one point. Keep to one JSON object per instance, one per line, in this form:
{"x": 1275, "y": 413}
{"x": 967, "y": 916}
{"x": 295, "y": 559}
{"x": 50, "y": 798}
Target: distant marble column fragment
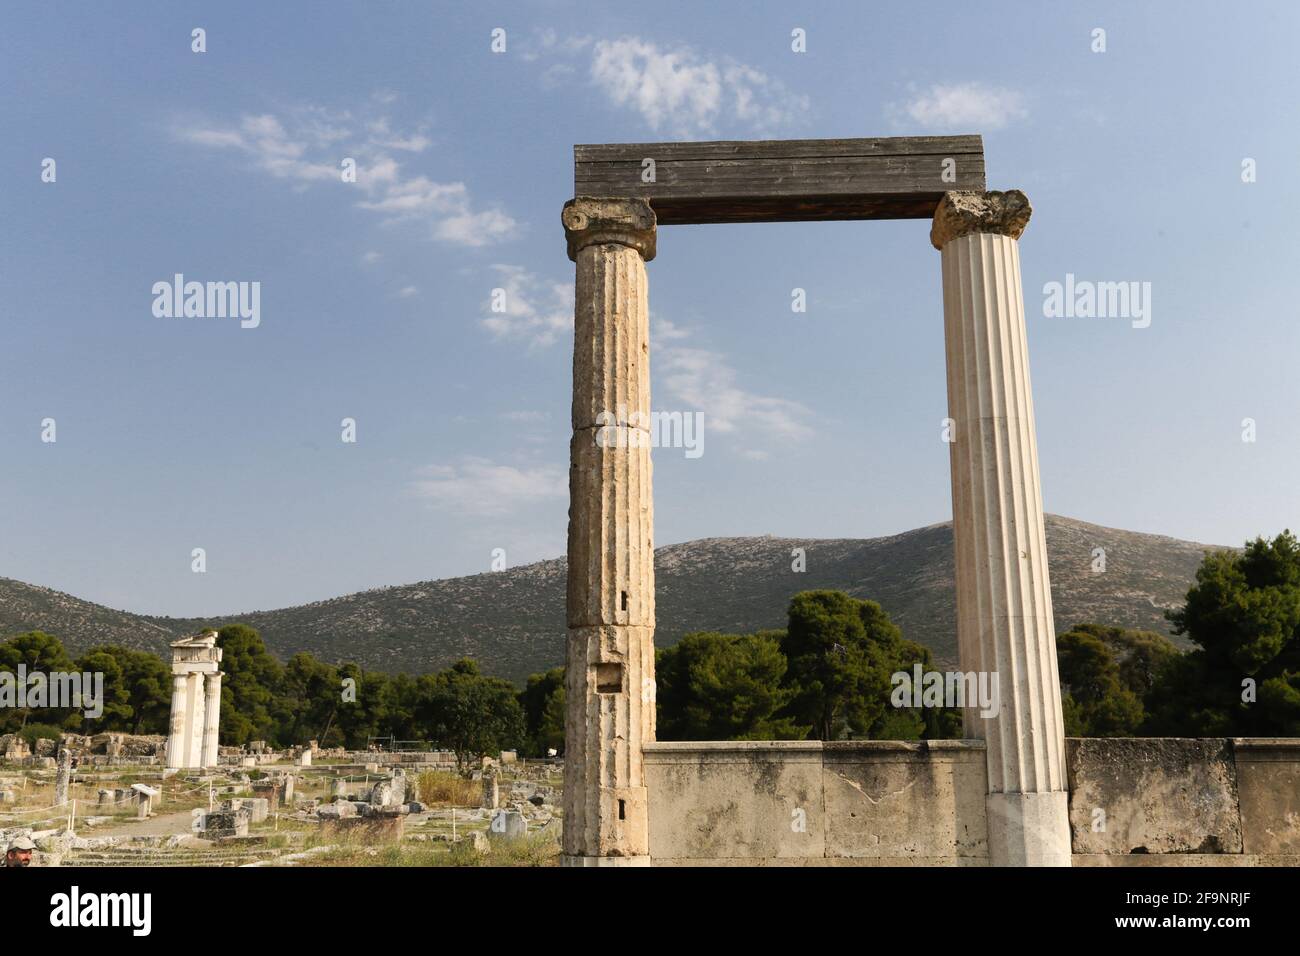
{"x": 1004, "y": 601}
{"x": 211, "y": 718}
{"x": 610, "y": 607}
{"x": 194, "y": 717}
{"x": 177, "y": 750}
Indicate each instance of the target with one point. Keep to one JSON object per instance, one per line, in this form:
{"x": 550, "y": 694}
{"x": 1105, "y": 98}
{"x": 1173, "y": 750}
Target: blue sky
{"x": 177, "y": 433}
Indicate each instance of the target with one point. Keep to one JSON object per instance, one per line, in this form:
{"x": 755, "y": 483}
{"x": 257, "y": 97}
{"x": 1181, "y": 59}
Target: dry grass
{"x": 440, "y": 788}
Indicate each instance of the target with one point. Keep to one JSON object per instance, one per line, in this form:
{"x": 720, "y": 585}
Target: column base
{"x": 1028, "y": 829}
{"x": 605, "y": 861}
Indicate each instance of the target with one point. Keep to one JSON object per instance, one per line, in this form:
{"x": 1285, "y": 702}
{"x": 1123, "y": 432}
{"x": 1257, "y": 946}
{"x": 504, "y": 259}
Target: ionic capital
{"x": 589, "y": 220}
{"x": 963, "y": 213}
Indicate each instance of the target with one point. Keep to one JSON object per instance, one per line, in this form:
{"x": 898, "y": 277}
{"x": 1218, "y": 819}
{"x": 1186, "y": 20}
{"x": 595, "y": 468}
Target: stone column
{"x": 62, "y": 777}
{"x": 211, "y": 718}
{"x": 1004, "y": 599}
{"x": 609, "y": 680}
{"x": 177, "y": 742}
{"x": 194, "y": 720}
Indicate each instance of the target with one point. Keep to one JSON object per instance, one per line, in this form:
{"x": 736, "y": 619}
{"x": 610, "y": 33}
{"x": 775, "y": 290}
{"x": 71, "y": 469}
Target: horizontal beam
{"x": 899, "y": 177}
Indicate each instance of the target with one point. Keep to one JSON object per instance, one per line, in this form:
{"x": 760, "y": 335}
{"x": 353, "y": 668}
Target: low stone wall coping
{"x": 829, "y": 746}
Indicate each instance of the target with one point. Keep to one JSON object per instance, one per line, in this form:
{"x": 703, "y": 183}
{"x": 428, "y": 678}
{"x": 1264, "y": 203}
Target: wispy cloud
{"x": 532, "y": 311}
{"x": 678, "y": 91}
{"x": 675, "y": 89}
{"x": 971, "y": 107}
{"x": 704, "y": 379}
{"x": 480, "y": 487}
{"x": 307, "y": 146}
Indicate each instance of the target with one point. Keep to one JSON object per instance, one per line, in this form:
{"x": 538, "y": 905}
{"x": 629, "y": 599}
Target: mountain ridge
{"x": 512, "y": 621}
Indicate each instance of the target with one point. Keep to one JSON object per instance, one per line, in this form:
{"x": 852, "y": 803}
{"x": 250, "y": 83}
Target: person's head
{"x": 19, "y": 852}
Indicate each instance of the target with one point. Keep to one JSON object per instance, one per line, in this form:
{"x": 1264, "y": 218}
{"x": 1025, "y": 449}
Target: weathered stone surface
{"x": 337, "y": 810}
{"x": 610, "y": 674}
{"x": 611, "y": 324}
{"x": 221, "y": 824}
{"x": 62, "y": 777}
{"x": 1158, "y": 795}
{"x": 1268, "y": 790}
{"x": 259, "y": 808}
{"x": 507, "y": 825}
{"x": 609, "y": 678}
{"x": 592, "y": 220}
{"x": 965, "y": 213}
{"x": 735, "y": 800}
{"x": 611, "y": 535}
{"x": 905, "y": 801}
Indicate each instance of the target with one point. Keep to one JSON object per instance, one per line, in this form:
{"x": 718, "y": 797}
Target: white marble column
{"x": 194, "y": 721}
{"x": 211, "y": 718}
{"x": 1004, "y": 600}
{"x": 177, "y": 742}
{"x": 609, "y": 676}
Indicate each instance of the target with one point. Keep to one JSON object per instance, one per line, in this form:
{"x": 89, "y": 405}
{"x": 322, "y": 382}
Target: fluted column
{"x": 211, "y": 718}
{"x": 194, "y": 721}
{"x": 609, "y": 679}
{"x": 1004, "y": 600}
{"x": 177, "y": 742}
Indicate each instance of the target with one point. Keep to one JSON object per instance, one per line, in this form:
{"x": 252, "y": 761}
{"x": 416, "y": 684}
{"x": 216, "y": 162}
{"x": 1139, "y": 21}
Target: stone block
{"x": 507, "y": 825}
{"x": 1153, "y": 795}
{"x": 745, "y": 800}
{"x": 1268, "y": 785}
{"x": 920, "y": 802}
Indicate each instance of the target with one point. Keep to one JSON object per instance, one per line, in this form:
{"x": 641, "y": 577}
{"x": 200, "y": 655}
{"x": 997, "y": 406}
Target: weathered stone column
{"x": 62, "y": 777}
{"x": 609, "y": 680}
{"x": 177, "y": 742}
{"x": 194, "y": 721}
{"x": 1004, "y": 600}
{"x": 211, "y": 718}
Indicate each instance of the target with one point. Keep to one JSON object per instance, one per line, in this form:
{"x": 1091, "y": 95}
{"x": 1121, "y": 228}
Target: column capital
{"x": 609, "y": 219}
{"x": 963, "y": 213}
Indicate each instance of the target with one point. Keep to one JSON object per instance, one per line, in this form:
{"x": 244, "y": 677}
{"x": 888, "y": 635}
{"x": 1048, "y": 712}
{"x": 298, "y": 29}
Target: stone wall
{"x": 1133, "y": 802}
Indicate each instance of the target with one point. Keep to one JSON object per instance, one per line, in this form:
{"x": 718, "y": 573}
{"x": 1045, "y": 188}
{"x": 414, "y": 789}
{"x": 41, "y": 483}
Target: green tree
{"x": 116, "y": 699}
{"x": 841, "y": 652}
{"x": 470, "y": 713}
{"x": 1094, "y": 699}
{"x": 1243, "y": 678}
{"x": 248, "y": 690}
{"x": 37, "y": 651}
{"x": 148, "y": 681}
{"x": 363, "y": 714}
{"x": 308, "y": 701}
{"x": 712, "y": 686}
{"x": 542, "y": 701}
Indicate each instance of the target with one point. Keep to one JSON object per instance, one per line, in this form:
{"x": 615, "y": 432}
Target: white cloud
{"x": 702, "y": 379}
{"x": 477, "y": 486}
{"x": 308, "y": 145}
{"x": 476, "y": 228}
{"x": 535, "y": 311}
{"x": 971, "y": 107}
{"x": 681, "y": 93}
{"x": 407, "y": 292}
